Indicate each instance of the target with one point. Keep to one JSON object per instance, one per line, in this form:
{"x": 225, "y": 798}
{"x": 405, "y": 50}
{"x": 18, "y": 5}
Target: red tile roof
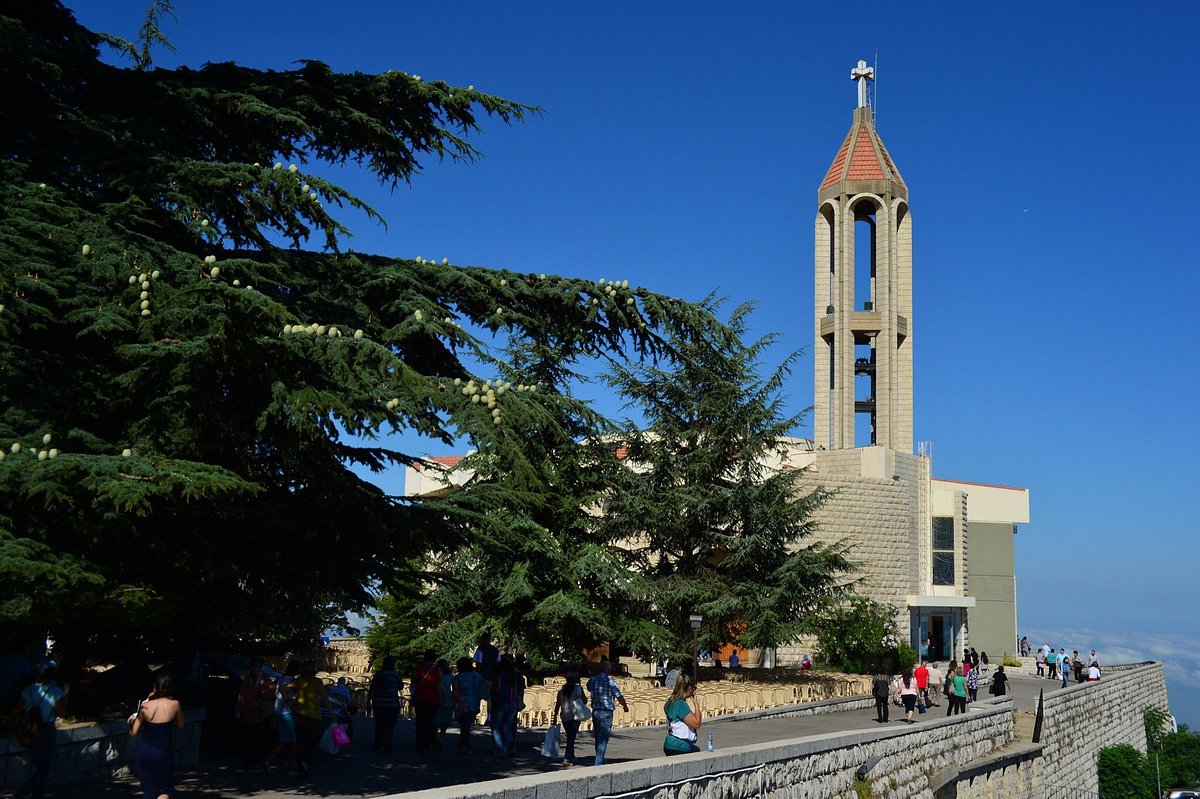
{"x": 448, "y": 461}
{"x": 862, "y": 156}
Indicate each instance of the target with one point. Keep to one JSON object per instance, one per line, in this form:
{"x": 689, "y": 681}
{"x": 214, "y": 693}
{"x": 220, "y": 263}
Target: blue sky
{"x": 1049, "y": 153}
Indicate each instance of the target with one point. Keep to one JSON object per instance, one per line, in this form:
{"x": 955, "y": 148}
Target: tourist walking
{"x": 1064, "y": 661}
{"x": 880, "y": 689}
{"x": 999, "y": 682}
{"x": 285, "y": 715}
{"x": 503, "y": 706}
{"x": 1041, "y": 663}
{"x": 44, "y": 698}
{"x": 935, "y": 686}
{"x": 1052, "y": 664}
{"x": 154, "y": 724}
{"x": 445, "y": 712}
{"x": 426, "y": 690}
{"x": 487, "y": 662}
{"x": 255, "y": 707}
{"x": 683, "y": 719}
{"x": 605, "y": 695}
{"x": 310, "y": 696}
{"x": 921, "y": 672}
{"x": 384, "y": 697}
{"x": 973, "y": 682}
{"x": 984, "y": 667}
{"x": 568, "y": 704}
{"x": 958, "y": 693}
{"x": 908, "y": 694}
{"x": 466, "y": 692}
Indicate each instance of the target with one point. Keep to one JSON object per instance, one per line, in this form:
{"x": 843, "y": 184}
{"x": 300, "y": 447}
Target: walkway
{"x": 359, "y": 772}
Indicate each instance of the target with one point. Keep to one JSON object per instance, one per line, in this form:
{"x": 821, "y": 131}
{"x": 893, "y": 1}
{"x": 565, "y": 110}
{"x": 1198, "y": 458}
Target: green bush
{"x": 1123, "y": 773}
{"x": 858, "y": 635}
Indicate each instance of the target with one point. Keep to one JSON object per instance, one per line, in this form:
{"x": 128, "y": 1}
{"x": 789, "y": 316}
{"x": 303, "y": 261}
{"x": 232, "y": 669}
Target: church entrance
{"x": 936, "y": 632}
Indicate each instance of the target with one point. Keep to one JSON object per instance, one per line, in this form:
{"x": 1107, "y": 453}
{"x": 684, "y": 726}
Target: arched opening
{"x": 864, "y": 256}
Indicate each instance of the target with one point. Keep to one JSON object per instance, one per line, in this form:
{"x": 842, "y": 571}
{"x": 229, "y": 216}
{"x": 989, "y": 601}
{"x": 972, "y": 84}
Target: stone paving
{"x": 359, "y": 772}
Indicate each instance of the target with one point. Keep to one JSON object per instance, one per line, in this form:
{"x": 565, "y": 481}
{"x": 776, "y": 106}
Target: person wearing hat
{"x": 46, "y": 698}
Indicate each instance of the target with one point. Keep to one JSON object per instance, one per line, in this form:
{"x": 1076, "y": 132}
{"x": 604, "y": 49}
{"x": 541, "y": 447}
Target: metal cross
{"x": 861, "y": 74}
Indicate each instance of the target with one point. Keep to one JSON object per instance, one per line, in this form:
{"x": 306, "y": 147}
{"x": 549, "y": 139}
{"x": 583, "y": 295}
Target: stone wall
{"x": 874, "y": 517}
{"x": 88, "y": 752}
{"x": 1085, "y": 718}
{"x": 900, "y": 763}
{"x": 972, "y": 756}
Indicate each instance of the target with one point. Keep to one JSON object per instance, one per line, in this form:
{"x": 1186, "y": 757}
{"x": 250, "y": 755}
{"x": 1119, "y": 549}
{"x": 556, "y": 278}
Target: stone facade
{"x": 874, "y": 517}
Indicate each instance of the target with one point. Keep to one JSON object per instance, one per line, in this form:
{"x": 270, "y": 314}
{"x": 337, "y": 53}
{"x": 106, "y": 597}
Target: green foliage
{"x": 1179, "y": 759}
{"x": 1177, "y": 753}
{"x": 858, "y": 634}
{"x": 708, "y": 515}
{"x": 1156, "y": 721}
{"x": 209, "y": 395}
{"x": 906, "y": 656}
{"x": 394, "y": 631}
{"x": 1124, "y": 773}
{"x": 1011, "y": 662}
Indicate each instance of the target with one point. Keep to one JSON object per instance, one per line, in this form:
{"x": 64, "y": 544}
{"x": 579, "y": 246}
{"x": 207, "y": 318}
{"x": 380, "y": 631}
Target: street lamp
{"x": 696, "y": 620}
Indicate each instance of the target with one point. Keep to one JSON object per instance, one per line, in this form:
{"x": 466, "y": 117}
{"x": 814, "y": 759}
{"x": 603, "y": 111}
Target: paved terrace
{"x": 359, "y": 772}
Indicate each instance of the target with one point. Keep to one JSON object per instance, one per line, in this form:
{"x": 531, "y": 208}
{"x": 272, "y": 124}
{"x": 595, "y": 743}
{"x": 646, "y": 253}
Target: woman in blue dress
{"x": 155, "y": 722}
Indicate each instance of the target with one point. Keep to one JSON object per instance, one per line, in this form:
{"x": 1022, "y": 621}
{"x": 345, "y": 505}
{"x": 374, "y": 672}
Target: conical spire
{"x": 862, "y": 162}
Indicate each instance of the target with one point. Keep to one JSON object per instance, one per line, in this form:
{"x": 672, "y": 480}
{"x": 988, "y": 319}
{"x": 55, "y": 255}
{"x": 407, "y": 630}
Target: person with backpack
{"x": 42, "y": 704}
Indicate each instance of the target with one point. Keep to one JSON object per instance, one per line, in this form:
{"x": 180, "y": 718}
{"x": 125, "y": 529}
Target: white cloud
{"x": 1179, "y": 654}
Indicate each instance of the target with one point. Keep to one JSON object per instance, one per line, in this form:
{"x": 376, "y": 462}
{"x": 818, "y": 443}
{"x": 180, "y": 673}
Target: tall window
{"x": 943, "y": 550}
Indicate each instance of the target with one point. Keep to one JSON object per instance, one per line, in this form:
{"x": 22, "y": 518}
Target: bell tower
{"x": 863, "y": 338}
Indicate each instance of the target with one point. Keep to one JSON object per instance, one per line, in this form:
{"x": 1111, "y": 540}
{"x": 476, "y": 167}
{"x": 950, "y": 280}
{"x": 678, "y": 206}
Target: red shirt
{"x": 922, "y": 675}
{"x": 426, "y": 682}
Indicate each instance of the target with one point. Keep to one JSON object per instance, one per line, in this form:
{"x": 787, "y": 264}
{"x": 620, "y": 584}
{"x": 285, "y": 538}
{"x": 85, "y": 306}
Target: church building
{"x": 939, "y": 550}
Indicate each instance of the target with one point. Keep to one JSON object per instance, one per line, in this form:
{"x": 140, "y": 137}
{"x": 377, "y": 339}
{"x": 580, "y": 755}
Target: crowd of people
{"x": 291, "y": 715}
{"x": 1061, "y": 665}
{"x": 925, "y": 686}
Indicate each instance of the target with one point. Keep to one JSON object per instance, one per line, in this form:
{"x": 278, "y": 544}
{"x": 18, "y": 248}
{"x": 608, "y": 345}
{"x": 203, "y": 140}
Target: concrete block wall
{"x": 1085, "y": 718}
{"x": 90, "y": 752}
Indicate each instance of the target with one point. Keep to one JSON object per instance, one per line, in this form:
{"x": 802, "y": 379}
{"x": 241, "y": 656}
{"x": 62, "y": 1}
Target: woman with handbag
{"x": 571, "y": 707}
{"x": 683, "y": 720}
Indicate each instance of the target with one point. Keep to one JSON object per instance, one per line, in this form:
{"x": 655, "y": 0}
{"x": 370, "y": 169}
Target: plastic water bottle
{"x": 709, "y": 746}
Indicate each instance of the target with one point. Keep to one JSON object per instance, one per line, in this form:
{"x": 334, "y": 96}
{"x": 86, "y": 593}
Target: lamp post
{"x": 696, "y": 620}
